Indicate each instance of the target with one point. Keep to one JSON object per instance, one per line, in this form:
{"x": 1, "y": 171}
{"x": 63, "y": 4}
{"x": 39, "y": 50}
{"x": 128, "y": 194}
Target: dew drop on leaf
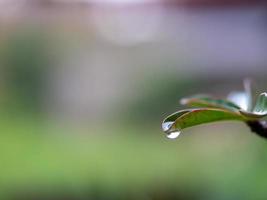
{"x": 173, "y": 135}
{"x": 166, "y": 126}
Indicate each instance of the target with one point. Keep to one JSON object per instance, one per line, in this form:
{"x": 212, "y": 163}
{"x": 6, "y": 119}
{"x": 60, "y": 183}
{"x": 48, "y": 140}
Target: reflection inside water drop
{"x": 173, "y": 135}
{"x": 166, "y": 126}
{"x": 170, "y": 132}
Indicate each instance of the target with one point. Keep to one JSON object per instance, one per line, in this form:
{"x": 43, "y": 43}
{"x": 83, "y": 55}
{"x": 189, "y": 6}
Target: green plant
{"x": 238, "y": 106}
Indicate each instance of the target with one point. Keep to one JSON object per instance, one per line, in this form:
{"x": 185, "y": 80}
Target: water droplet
{"x": 173, "y": 135}
{"x": 169, "y": 130}
{"x": 166, "y": 126}
{"x": 261, "y": 105}
{"x": 260, "y": 112}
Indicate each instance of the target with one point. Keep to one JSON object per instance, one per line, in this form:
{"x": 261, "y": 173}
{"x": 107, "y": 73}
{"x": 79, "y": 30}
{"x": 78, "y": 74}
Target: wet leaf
{"x": 193, "y": 117}
{"x": 168, "y": 122}
{"x": 207, "y": 101}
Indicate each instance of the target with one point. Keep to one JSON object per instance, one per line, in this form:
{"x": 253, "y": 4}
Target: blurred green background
{"x": 84, "y": 86}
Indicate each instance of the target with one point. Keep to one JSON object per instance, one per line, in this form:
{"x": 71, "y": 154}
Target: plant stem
{"x": 258, "y": 127}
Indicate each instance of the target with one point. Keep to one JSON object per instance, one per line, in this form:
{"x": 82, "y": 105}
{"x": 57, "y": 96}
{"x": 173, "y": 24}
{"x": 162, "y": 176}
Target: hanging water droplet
{"x": 173, "y": 135}
{"x": 166, "y": 126}
{"x": 170, "y": 132}
{"x": 261, "y": 105}
{"x": 260, "y": 112}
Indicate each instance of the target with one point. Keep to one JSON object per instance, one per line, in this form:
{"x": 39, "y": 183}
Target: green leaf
{"x": 174, "y": 116}
{"x": 168, "y": 122}
{"x": 193, "y": 117}
{"x": 207, "y": 101}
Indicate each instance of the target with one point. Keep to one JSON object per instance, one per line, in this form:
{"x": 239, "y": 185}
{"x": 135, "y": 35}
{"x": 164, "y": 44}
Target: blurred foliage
{"x": 26, "y": 61}
{"x": 160, "y": 95}
{"x": 123, "y": 165}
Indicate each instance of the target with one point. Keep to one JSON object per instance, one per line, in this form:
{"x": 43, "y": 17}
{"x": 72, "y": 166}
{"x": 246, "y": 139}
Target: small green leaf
{"x": 174, "y": 116}
{"x": 168, "y": 122}
{"x": 207, "y": 101}
{"x": 193, "y": 117}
